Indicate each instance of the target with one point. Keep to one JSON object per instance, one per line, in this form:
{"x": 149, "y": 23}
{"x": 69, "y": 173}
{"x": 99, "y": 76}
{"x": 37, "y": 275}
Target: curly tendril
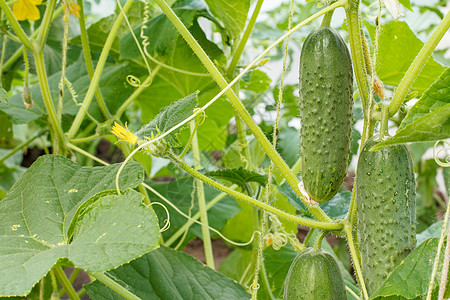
{"x": 444, "y": 150}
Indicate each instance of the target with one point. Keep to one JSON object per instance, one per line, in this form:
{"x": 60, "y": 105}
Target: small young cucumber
{"x": 314, "y": 275}
{"x": 326, "y": 102}
{"x": 386, "y": 209}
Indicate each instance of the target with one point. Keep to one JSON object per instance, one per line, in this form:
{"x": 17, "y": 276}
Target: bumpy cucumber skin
{"x": 386, "y": 209}
{"x": 326, "y": 103}
{"x": 314, "y": 275}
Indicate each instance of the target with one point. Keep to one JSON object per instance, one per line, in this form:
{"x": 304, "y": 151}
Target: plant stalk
{"x": 65, "y": 283}
{"x": 88, "y": 61}
{"x": 417, "y": 65}
{"x": 201, "y": 200}
{"x": 98, "y": 71}
{"x": 45, "y": 25}
{"x": 103, "y": 278}
{"x": 252, "y": 201}
{"x": 254, "y": 128}
{"x": 48, "y": 102}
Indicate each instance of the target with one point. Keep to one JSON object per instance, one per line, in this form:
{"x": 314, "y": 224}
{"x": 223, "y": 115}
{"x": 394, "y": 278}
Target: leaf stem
{"x": 88, "y": 61}
{"x": 417, "y": 65}
{"x": 252, "y": 201}
{"x": 45, "y": 25}
{"x": 384, "y": 120}
{"x": 355, "y": 259}
{"x": 21, "y": 145}
{"x": 16, "y": 26}
{"x": 98, "y": 71}
{"x": 238, "y": 106}
{"x": 248, "y": 30}
{"x": 48, "y": 102}
{"x": 103, "y": 278}
{"x": 65, "y": 282}
{"x": 209, "y": 257}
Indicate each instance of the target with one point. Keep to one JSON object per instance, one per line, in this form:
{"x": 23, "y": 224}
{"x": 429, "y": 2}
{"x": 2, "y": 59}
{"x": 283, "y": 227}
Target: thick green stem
{"x": 48, "y": 102}
{"x": 65, "y": 283}
{"x": 318, "y": 242}
{"x": 45, "y": 25}
{"x": 207, "y": 246}
{"x": 88, "y": 61}
{"x": 248, "y": 30}
{"x": 15, "y": 25}
{"x": 103, "y": 278}
{"x": 98, "y": 72}
{"x": 327, "y": 19}
{"x": 355, "y": 260}
{"x": 384, "y": 120}
{"x": 306, "y": 222}
{"x": 417, "y": 65}
{"x": 359, "y": 67}
{"x": 238, "y": 106}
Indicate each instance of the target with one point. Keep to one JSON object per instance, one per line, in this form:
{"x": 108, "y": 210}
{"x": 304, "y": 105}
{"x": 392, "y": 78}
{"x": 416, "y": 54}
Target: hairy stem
{"x": 355, "y": 259}
{"x": 209, "y": 257}
{"x": 238, "y": 106}
{"x": 88, "y": 61}
{"x": 45, "y": 25}
{"x": 48, "y": 102}
{"x": 252, "y": 201}
{"x": 98, "y": 71}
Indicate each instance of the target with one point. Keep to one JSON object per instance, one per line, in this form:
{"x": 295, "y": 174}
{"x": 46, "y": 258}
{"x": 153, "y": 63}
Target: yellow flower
{"x": 26, "y": 10}
{"x": 74, "y": 8}
{"x": 124, "y": 134}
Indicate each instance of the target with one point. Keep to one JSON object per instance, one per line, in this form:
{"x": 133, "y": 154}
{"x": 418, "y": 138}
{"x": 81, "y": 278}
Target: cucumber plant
{"x": 135, "y": 79}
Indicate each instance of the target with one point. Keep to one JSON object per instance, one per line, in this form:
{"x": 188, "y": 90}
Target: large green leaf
{"x": 170, "y": 275}
{"x": 412, "y": 277}
{"x": 35, "y": 214}
{"x": 233, "y": 14}
{"x": 429, "y": 118}
{"x": 160, "y": 32}
{"x": 256, "y": 81}
{"x": 169, "y": 117}
{"x": 398, "y": 46}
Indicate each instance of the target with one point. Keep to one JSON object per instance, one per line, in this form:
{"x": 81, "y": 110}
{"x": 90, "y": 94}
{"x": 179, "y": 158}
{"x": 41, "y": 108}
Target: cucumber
{"x": 326, "y": 102}
{"x": 386, "y": 209}
{"x": 314, "y": 274}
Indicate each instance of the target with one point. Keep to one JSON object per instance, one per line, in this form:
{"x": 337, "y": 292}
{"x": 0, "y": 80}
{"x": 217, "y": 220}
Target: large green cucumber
{"x": 326, "y": 88}
{"x": 314, "y": 274}
{"x": 386, "y": 209}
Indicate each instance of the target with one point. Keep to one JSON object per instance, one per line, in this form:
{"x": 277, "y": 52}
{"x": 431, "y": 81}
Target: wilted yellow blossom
{"x": 124, "y": 134}
{"x": 74, "y": 8}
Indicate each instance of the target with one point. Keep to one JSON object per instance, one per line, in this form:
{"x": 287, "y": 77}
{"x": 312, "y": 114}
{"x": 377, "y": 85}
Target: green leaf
{"x": 34, "y": 215}
{"x": 398, "y": 46}
{"x": 239, "y": 176}
{"x": 289, "y": 145}
{"x": 290, "y": 99}
{"x": 337, "y": 207}
{"x": 6, "y": 131}
{"x": 181, "y": 192}
{"x": 406, "y": 3}
{"x": 429, "y": 118}
{"x": 169, "y": 117}
{"x": 256, "y": 81}
{"x": 99, "y": 31}
{"x": 411, "y": 278}
{"x": 438, "y": 95}
{"x": 112, "y": 82}
{"x": 3, "y": 94}
{"x": 233, "y": 14}
{"x": 433, "y": 231}
{"x": 169, "y": 274}
{"x": 160, "y": 32}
